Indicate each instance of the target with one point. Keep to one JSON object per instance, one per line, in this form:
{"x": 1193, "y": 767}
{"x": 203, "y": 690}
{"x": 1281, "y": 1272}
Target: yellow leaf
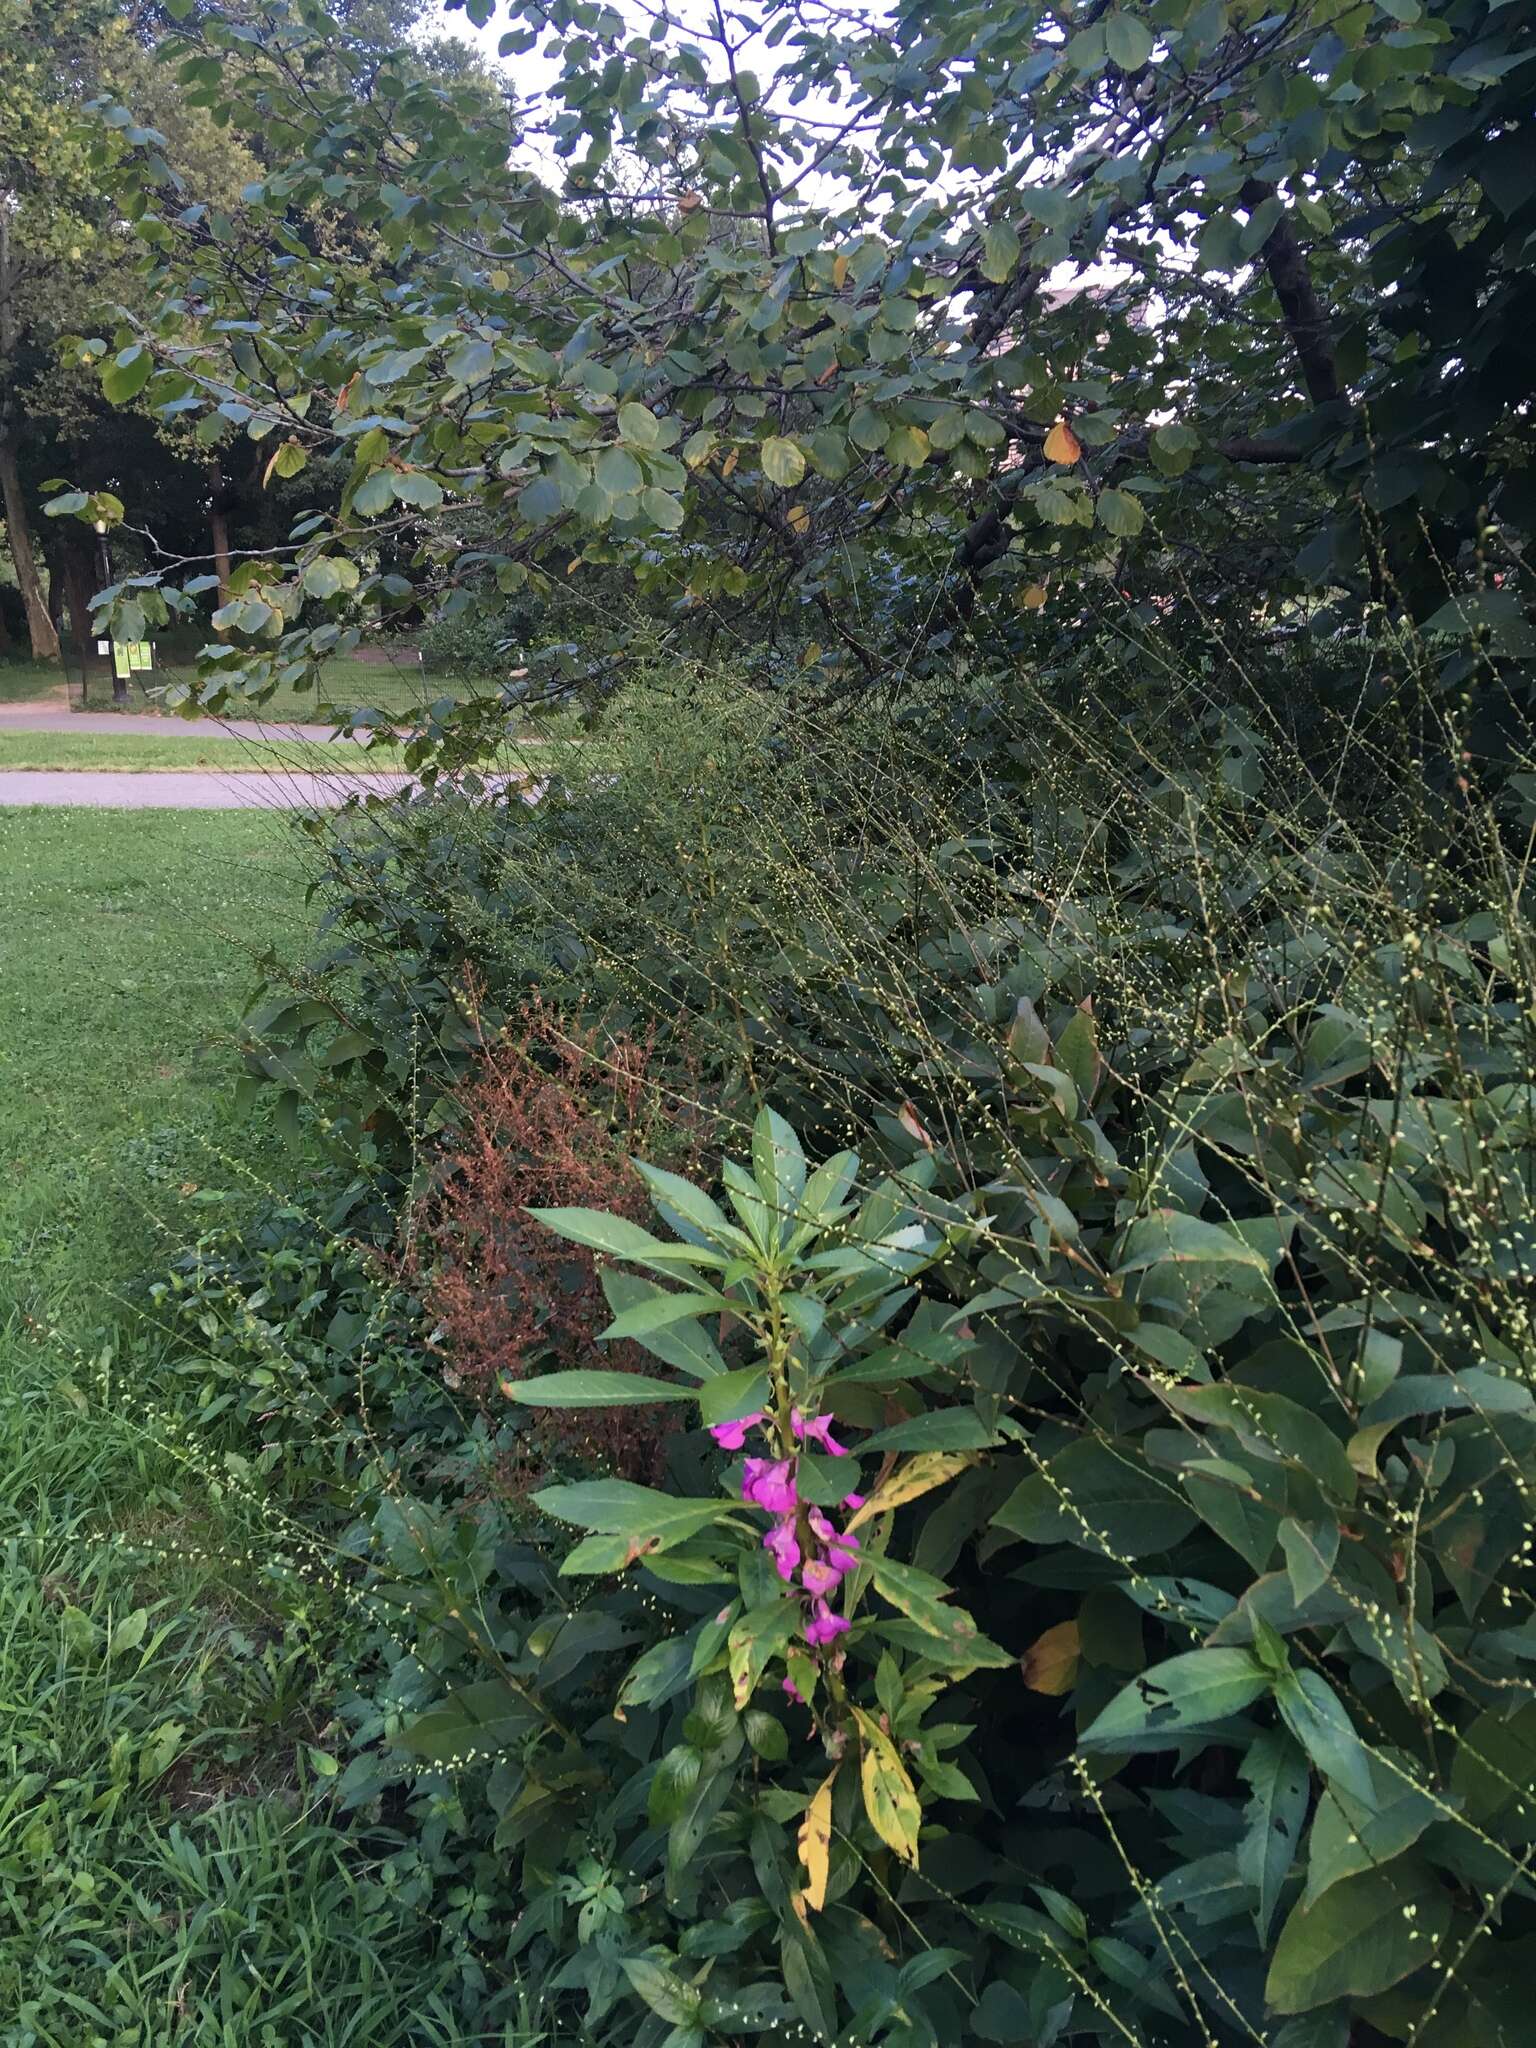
{"x": 798, "y": 518}
{"x": 500, "y": 279}
{"x": 839, "y": 272}
{"x": 815, "y": 1843}
{"x": 730, "y": 462}
{"x": 1032, "y": 598}
{"x": 890, "y": 1798}
{"x": 689, "y": 202}
{"x": 1050, "y": 1662}
{"x": 1062, "y": 445}
{"x": 919, "y": 1475}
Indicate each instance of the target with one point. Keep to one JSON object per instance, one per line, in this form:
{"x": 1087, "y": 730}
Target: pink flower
{"x": 794, "y": 1692}
{"x": 782, "y": 1546}
{"x": 821, "y": 1578}
{"x": 769, "y": 1483}
{"x": 819, "y": 1429}
{"x": 854, "y": 1500}
{"x": 730, "y": 1436}
{"x": 824, "y": 1626}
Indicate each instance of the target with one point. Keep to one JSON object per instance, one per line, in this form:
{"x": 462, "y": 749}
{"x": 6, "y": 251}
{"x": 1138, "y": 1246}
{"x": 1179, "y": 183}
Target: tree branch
{"x": 1305, "y": 320}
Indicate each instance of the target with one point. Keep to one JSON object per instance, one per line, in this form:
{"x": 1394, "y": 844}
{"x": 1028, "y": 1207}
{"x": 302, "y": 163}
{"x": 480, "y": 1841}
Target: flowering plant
{"x": 776, "y": 1320}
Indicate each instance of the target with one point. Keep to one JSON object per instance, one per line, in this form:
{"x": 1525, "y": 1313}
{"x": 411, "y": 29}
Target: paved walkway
{"x": 181, "y": 789}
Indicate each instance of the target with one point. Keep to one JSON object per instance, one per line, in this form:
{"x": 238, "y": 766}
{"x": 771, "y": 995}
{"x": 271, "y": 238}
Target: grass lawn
{"x": 187, "y": 748}
{"x": 22, "y": 681}
{"x": 130, "y": 941}
{"x": 171, "y": 1870}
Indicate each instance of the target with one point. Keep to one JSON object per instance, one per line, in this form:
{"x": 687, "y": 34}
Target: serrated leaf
{"x": 1062, "y": 445}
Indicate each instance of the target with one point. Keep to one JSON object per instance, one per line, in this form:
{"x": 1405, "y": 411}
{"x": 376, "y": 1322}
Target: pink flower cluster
{"x": 770, "y": 1484}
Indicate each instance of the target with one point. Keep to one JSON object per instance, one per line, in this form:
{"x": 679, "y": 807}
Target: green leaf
{"x": 542, "y": 499}
{"x": 782, "y": 461}
{"x": 594, "y": 1389}
{"x": 484, "y": 1719}
{"x": 129, "y": 1633}
{"x": 687, "y": 1347}
{"x": 1196, "y": 1691}
{"x": 619, "y": 473}
{"x": 414, "y": 487}
{"x": 375, "y": 494}
{"x": 620, "y": 1507}
{"x": 673, "y": 1785}
{"x": 755, "y": 1640}
{"x": 943, "y": 1429}
{"x": 778, "y": 1165}
{"x": 638, "y": 423}
{"x": 1000, "y": 251}
{"x": 329, "y": 574}
{"x": 662, "y": 509}
{"x": 1316, "y": 1716}
{"x": 1362, "y": 1937}
{"x": 907, "y": 446}
{"x": 1278, "y": 1429}
{"x": 1128, "y": 40}
{"x": 660, "y": 1310}
{"x": 766, "y": 1735}
{"x": 601, "y": 1231}
{"x": 1494, "y": 1769}
{"x": 666, "y": 1994}
{"x": 1310, "y": 1549}
{"x": 678, "y": 1200}
{"x": 127, "y": 374}
{"x": 1277, "y": 1774}
{"x": 1347, "y": 1838}
{"x": 733, "y": 1394}
{"x": 1102, "y": 1497}
{"x": 469, "y": 362}
{"x": 867, "y": 429}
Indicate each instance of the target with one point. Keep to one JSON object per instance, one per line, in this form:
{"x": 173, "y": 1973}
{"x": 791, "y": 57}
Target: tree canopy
{"x": 850, "y": 328}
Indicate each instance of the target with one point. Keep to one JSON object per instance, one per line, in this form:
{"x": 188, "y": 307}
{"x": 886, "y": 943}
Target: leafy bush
{"x": 1184, "y": 1380}
{"x": 1199, "y": 1098}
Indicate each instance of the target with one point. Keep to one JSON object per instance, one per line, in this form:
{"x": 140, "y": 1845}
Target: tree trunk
{"x": 45, "y": 641}
{"x": 77, "y": 581}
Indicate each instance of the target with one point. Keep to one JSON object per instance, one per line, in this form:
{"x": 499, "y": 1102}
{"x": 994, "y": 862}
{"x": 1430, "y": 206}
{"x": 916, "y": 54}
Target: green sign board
{"x": 129, "y": 657}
